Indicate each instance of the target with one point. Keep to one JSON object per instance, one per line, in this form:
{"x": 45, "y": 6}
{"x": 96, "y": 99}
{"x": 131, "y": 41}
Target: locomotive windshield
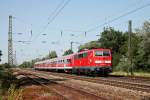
{"x": 102, "y": 53}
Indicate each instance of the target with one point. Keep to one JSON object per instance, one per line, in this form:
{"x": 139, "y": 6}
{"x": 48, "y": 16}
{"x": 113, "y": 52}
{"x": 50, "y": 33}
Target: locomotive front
{"x": 103, "y": 60}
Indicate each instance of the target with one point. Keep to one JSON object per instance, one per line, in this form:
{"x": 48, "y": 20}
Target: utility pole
{"x": 61, "y": 33}
{"x": 71, "y": 45}
{"x": 85, "y": 34}
{"x": 0, "y": 54}
{"x": 130, "y": 69}
{"x": 10, "y": 47}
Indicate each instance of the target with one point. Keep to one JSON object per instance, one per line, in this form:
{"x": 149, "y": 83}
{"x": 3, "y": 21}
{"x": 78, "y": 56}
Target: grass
{"x": 14, "y": 94}
{"x": 142, "y": 74}
{"x": 8, "y": 91}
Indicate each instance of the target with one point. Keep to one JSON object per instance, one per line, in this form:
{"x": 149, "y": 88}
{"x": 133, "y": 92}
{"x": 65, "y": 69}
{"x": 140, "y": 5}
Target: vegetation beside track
{"x": 139, "y": 74}
{"x": 8, "y": 82}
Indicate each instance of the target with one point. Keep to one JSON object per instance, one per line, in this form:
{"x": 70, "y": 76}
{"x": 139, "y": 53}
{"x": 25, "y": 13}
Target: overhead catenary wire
{"x": 59, "y": 5}
{"x": 105, "y": 18}
{"x": 27, "y": 25}
{"x": 123, "y": 15}
{"x": 52, "y": 14}
{"x": 70, "y": 30}
{"x": 110, "y": 21}
{"x": 53, "y": 18}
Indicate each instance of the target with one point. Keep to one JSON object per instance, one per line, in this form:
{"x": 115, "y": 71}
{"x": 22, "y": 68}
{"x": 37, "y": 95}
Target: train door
{"x": 81, "y": 59}
{"x": 90, "y": 58}
{"x": 75, "y": 60}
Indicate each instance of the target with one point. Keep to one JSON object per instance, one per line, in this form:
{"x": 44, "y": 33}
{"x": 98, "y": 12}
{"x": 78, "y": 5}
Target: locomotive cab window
{"x": 98, "y": 53}
{"x": 102, "y": 53}
{"x": 106, "y": 53}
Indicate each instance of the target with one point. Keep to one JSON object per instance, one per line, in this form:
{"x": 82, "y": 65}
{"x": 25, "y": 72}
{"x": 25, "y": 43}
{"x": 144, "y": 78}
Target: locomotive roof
{"x": 92, "y": 50}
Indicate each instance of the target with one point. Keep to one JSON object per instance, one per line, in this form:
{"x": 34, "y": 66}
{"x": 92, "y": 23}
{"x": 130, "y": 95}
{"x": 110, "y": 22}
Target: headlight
{"x": 98, "y": 61}
{"x": 108, "y": 61}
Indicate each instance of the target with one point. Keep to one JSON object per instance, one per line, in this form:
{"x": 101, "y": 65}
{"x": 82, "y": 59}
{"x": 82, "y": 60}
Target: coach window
{"x": 80, "y": 55}
{"x": 65, "y": 61}
{"x": 68, "y": 60}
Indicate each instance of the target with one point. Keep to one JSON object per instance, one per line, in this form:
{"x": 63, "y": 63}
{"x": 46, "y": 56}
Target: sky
{"x": 47, "y": 19}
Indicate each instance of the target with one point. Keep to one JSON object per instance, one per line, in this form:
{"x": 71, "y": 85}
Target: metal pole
{"x": 0, "y": 54}
{"x": 10, "y": 47}
{"x": 71, "y": 45}
{"x": 15, "y": 59}
{"x": 130, "y": 69}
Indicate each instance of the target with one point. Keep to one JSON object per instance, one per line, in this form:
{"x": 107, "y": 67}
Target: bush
{"x": 122, "y": 66}
{"x": 115, "y": 59}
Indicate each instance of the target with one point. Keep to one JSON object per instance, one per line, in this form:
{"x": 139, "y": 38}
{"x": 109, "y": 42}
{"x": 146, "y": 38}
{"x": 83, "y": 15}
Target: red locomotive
{"x": 93, "y": 61}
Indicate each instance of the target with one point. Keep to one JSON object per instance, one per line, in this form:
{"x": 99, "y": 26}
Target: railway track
{"x": 129, "y": 83}
{"x": 67, "y": 92}
{"x": 132, "y": 78}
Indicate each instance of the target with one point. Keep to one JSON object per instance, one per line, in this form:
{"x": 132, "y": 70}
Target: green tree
{"x": 89, "y": 45}
{"x": 143, "y": 56}
{"x": 52, "y": 54}
{"x": 112, "y": 39}
{"x": 26, "y": 64}
{"x": 67, "y": 52}
{"x": 124, "y": 62}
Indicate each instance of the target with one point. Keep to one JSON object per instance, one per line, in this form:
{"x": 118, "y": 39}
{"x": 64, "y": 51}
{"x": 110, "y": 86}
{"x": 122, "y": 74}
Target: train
{"x": 92, "y": 61}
